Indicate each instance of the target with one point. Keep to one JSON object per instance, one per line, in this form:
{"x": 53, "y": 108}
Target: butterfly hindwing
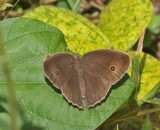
{"x": 96, "y": 89}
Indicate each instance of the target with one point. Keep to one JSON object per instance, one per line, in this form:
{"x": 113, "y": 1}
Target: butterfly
{"x": 87, "y": 77}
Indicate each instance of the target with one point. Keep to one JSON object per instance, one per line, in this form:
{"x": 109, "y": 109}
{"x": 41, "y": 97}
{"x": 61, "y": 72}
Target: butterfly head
{"x": 77, "y": 56}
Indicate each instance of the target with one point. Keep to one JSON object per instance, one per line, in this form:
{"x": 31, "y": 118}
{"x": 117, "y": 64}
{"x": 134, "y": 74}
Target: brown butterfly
{"x": 87, "y": 77}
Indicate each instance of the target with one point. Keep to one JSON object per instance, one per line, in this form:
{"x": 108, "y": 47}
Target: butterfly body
{"x": 89, "y": 76}
{"x": 78, "y": 62}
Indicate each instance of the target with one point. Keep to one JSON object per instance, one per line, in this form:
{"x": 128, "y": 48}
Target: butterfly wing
{"x": 108, "y": 64}
{"x": 59, "y": 69}
{"x": 96, "y": 89}
{"x": 101, "y": 69}
{"x": 71, "y": 89}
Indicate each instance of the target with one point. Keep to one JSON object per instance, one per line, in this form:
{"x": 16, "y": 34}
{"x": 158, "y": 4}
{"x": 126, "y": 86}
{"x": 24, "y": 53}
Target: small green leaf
{"x": 117, "y": 127}
{"x": 147, "y": 125}
{"x": 63, "y": 4}
{"x": 154, "y": 25}
{"x": 74, "y": 4}
{"x": 27, "y": 42}
{"x": 74, "y": 26}
{"x": 154, "y": 101}
{"x": 123, "y": 20}
{"x": 4, "y": 6}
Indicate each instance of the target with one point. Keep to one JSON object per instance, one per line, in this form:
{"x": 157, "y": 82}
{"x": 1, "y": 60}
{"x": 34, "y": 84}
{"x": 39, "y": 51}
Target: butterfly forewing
{"x": 57, "y": 67}
{"x": 105, "y": 63}
{"x": 60, "y": 70}
{"x": 96, "y": 89}
{"x": 101, "y": 68}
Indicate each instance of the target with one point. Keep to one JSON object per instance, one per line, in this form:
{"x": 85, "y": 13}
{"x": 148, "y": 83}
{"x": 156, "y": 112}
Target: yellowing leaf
{"x": 74, "y": 26}
{"x": 150, "y": 74}
{"x": 123, "y": 20}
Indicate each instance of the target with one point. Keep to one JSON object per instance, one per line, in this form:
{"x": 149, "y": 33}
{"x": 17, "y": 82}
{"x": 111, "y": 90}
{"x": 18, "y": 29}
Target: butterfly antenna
{"x": 70, "y": 43}
{"x": 84, "y": 42}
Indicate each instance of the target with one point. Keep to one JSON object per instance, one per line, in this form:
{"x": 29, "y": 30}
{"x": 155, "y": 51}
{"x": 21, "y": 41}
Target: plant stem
{"x": 9, "y": 84}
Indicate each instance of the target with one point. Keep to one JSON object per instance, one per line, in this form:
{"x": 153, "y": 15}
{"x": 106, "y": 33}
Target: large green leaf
{"x": 27, "y": 42}
{"x": 74, "y": 26}
{"x": 123, "y": 20}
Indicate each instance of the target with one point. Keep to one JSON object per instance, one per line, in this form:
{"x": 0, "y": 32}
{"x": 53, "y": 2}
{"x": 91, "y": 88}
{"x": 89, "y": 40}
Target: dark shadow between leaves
{"x": 142, "y": 63}
{"x": 121, "y": 81}
{"x": 2, "y": 109}
{"x": 157, "y": 95}
{"x": 29, "y": 126}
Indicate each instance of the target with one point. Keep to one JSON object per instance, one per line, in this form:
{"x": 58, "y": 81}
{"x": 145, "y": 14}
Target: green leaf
{"x": 4, "y": 115}
{"x": 123, "y": 20}
{"x": 147, "y": 125}
{"x": 63, "y": 4}
{"x": 154, "y": 101}
{"x": 154, "y": 25}
{"x": 41, "y": 105}
{"x": 74, "y": 4}
{"x": 147, "y": 39}
{"x": 4, "y": 5}
{"x": 117, "y": 127}
{"x": 4, "y": 121}
{"x": 74, "y": 26}
{"x": 136, "y": 60}
{"x": 11, "y": 95}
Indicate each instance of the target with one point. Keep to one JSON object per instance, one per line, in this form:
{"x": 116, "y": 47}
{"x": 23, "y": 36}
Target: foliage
{"x": 4, "y": 5}
{"x": 26, "y": 57}
{"x": 125, "y": 23}
{"x": 28, "y": 40}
